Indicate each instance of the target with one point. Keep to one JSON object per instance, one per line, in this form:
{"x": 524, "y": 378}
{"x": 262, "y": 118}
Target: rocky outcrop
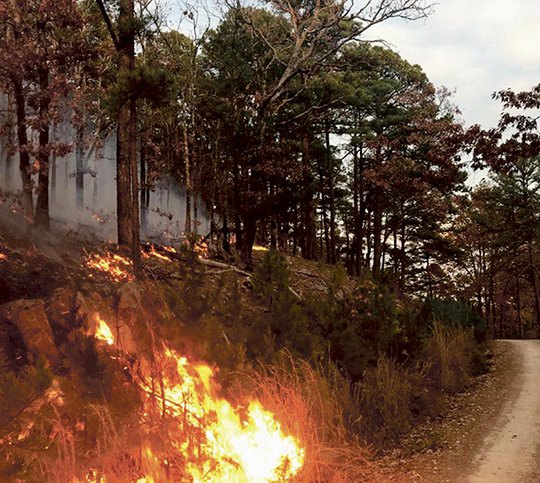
{"x": 60, "y": 309}
{"x": 141, "y": 309}
{"x": 30, "y": 319}
{"x": 133, "y": 316}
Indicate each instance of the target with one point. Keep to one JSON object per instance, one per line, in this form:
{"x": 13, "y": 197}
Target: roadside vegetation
{"x": 343, "y": 364}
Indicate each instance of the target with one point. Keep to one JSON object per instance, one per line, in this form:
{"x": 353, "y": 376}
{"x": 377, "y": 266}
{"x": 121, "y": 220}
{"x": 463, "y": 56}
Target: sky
{"x": 472, "y": 47}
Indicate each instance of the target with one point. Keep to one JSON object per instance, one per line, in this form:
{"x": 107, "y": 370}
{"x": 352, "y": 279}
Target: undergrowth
{"x": 341, "y": 371}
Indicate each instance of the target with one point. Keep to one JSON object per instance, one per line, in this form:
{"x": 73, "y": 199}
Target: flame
{"x": 201, "y": 249}
{"x": 233, "y": 445}
{"x": 153, "y": 253}
{"x": 115, "y": 266}
{"x": 103, "y": 332}
{"x": 3, "y": 257}
{"x": 250, "y": 449}
{"x": 258, "y": 248}
{"x": 158, "y": 255}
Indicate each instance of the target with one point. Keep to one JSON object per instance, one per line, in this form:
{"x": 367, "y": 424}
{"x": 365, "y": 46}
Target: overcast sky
{"x": 475, "y": 47}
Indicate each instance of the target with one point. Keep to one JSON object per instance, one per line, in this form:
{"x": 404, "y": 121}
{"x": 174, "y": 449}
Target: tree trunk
{"x": 24, "y": 157}
{"x": 534, "y": 277}
{"x": 143, "y": 187}
{"x": 79, "y": 162}
{"x": 518, "y": 305}
{"x": 307, "y": 210}
{"x": 42, "y": 204}
{"x": 188, "y": 227}
{"x": 377, "y": 232}
{"x": 134, "y": 178}
{"x": 126, "y": 177}
{"x": 331, "y": 197}
{"x": 248, "y": 239}
{"x": 236, "y": 200}
{"x": 377, "y": 218}
{"x": 356, "y": 245}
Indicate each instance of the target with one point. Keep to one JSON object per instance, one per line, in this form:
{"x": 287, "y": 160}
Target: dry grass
{"x": 317, "y": 407}
{"x": 115, "y": 455}
{"x": 449, "y": 354}
{"x": 385, "y": 395}
{"x": 392, "y": 395}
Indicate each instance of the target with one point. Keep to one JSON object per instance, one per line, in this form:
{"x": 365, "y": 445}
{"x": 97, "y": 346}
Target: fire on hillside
{"x": 116, "y": 267}
{"x": 213, "y": 440}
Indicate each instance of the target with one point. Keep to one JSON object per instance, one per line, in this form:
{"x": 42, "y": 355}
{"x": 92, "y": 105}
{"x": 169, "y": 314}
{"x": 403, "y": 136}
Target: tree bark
{"x": 248, "y": 239}
{"x": 126, "y": 177}
{"x": 24, "y": 157}
{"x": 42, "y": 204}
{"x": 188, "y": 227}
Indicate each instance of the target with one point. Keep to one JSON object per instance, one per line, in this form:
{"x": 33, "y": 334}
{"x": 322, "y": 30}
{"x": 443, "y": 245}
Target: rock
{"x": 141, "y": 309}
{"x": 130, "y": 316}
{"x": 60, "y": 309}
{"x": 30, "y": 319}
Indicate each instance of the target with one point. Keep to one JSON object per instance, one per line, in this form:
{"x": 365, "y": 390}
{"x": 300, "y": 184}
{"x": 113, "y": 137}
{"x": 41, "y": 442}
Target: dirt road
{"x": 509, "y": 452}
{"x": 491, "y": 434}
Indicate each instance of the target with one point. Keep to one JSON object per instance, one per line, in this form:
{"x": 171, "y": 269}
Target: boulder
{"x": 30, "y": 319}
{"x": 60, "y": 309}
{"x": 142, "y": 309}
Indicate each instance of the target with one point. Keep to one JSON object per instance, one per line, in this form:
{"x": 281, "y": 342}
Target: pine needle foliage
{"x": 20, "y": 393}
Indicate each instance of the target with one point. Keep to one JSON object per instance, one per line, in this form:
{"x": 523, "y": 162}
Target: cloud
{"x": 475, "y": 47}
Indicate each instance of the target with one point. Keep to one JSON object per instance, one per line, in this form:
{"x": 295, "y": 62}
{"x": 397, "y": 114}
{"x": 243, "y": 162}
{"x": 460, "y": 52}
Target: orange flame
{"x": 158, "y": 255}
{"x": 238, "y": 445}
{"x": 115, "y": 266}
{"x": 3, "y": 257}
{"x": 103, "y": 332}
{"x": 201, "y": 249}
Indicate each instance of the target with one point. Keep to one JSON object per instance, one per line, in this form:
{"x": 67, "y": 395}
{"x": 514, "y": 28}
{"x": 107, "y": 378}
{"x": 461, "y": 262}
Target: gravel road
{"x": 509, "y": 452}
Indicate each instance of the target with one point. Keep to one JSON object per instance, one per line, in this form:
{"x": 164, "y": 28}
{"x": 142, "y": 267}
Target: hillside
{"x": 114, "y": 379}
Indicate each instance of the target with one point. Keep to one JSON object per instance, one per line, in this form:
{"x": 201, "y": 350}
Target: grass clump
{"x": 449, "y": 352}
{"x": 386, "y": 393}
{"x": 317, "y": 405}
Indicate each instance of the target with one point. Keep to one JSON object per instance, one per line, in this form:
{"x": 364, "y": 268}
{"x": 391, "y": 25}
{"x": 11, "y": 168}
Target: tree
{"x": 40, "y": 43}
{"x": 127, "y": 186}
{"x": 290, "y": 43}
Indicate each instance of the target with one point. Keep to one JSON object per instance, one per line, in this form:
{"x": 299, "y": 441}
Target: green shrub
{"x": 450, "y": 312}
{"x": 285, "y": 323}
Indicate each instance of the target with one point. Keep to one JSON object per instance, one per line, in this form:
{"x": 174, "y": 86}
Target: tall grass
{"x": 317, "y": 406}
{"x": 393, "y": 395}
{"x": 449, "y": 352}
{"x": 385, "y": 396}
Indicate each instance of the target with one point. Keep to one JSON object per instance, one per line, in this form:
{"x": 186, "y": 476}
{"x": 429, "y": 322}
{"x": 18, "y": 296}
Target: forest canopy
{"x": 290, "y": 130}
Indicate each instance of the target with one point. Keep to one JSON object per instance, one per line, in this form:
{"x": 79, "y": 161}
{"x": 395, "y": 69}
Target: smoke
{"x": 162, "y": 221}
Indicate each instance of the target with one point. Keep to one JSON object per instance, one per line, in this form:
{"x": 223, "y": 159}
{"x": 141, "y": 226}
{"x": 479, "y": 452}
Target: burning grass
{"x": 115, "y": 267}
{"x": 316, "y": 404}
{"x": 194, "y": 434}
